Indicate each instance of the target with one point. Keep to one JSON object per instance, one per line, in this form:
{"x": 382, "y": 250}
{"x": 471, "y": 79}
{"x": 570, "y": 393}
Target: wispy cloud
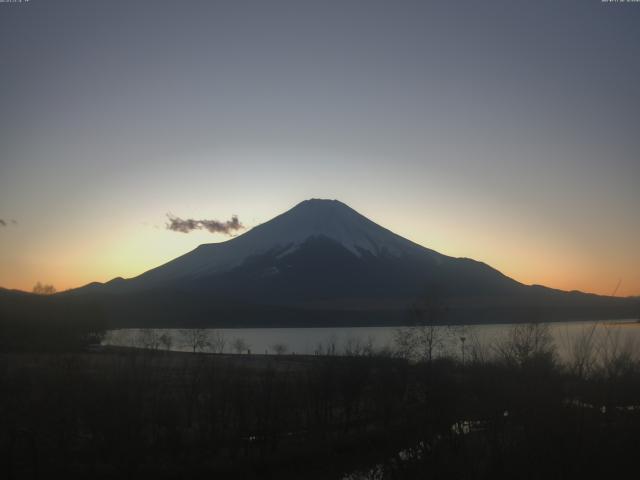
{"x": 178, "y": 224}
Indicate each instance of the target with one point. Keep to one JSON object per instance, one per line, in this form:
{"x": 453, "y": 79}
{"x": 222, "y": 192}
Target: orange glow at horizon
{"x": 542, "y": 260}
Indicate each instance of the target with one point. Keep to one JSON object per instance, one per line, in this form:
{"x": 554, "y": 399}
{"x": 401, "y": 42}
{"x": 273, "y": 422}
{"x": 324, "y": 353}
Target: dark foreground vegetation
{"x": 512, "y": 411}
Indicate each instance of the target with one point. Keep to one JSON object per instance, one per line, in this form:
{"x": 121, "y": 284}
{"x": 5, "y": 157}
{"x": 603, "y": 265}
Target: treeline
{"x": 509, "y": 411}
{"x": 42, "y": 323}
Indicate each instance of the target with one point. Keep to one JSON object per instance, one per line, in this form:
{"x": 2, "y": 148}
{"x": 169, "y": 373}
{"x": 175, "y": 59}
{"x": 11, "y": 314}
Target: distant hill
{"x": 322, "y": 263}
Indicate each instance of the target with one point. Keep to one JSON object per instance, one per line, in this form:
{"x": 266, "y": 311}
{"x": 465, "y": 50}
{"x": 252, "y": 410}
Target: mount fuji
{"x": 322, "y": 263}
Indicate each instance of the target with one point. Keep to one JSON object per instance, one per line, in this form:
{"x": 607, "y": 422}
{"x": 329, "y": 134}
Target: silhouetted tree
{"x": 218, "y": 342}
{"x": 196, "y": 339}
{"x": 44, "y": 289}
{"x": 279, "y": 348}
{"x": 166, "y": 340}
{"x": 428, "y": 335}
{"x": 240, "y": 345}
{"x": 149, "y": 338}
{"x": 527, "y": 343}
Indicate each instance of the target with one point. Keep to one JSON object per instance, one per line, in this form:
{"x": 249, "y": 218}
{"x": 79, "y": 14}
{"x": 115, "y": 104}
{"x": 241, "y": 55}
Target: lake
{"x": 619, "y": 334}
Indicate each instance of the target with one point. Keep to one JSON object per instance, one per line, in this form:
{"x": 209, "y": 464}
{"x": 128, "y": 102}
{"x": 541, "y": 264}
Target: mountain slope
{"x": 285, "y": 234}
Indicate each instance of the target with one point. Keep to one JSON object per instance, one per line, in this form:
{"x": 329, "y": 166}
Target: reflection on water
{"x": 567, "y": 336}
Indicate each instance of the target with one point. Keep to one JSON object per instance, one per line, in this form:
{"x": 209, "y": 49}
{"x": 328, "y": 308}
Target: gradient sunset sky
{"x": 502, "y": 130}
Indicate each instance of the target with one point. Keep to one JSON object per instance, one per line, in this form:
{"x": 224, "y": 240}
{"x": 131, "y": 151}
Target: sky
{"x": 502, "y": 130}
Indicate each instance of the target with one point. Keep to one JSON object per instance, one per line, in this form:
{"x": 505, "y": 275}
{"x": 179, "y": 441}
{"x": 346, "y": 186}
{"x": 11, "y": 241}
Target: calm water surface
{"x": 619, "y": 334}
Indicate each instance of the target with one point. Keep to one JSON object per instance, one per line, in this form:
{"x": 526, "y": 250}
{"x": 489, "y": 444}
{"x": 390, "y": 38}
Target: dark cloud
{"x": 178, "y": 224}
{"x": 6, "y": 223}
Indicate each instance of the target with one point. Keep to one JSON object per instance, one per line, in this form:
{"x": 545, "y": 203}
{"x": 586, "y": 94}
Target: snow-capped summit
{"x": 331, "y": 219}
